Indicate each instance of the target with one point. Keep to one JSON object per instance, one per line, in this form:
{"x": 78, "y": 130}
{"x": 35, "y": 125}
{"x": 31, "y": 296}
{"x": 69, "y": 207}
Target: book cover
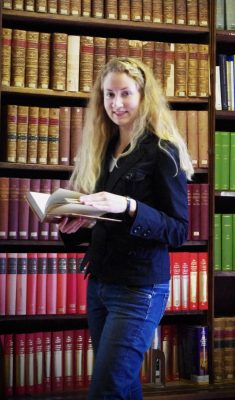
{"x": 181, "y": 55}
{"x": 136, "y": 10}
{"x": 39, "y": 365}
{"x": 86, "y": 63}
{"x": 31, "y": 59}
{"x": 6, "y": 56}
{"x": 71, "y": 300}
{"x": 29, "y": 363}
{"x": 203, "y": 13}
{"x": 61, "y": 283}
{"x": 76, "y": 125}
{"x": 41, "y": 284}
{"x": 199, "y": 363}
{"x": 64, "y": 135}
{"x": 192, "y": 74}
{"x": 203, "y": 280}
{"x": 203, "y": 137}
{"x": 176, "y": 281}
{"x": 32, "y": 267}
{"x": 23, "y": 222}
{"x": 157, "y": 11}
{"x": 11, "y": 283}
{"x": 21, "y": 284}
{"x": 57, "y": 361}
{"x": 3, "y": 271}
{"x": 59, "y": 61}
{"x": 33, "y": 220}
{"x": 111, "y": 10}
{"x": 68, "y": 360}
{"x": 11, "y": 132}
{"x": 19, "y": 364}
{"x": 192, "y": 135}
{"x": 44, "y": 60}
{"x": 18, "y": 54}
{"x": 185, "y": 280}
{"x": 51, "y": 286}
{"x": 33, "y": 122}
{"x": 97, "y": 8}
{"x": 196, "y": 210}
{"x": 4, "y": 207}
{"x": 86, "y": 8}
{"x": 43, "y": 129}
{"x": 217, "y": 242}
{"x": 124, "y": 12}
{"x": 204, "y": 211}
{"x": 168, "y": 11}
{"x": 227, "y": 243}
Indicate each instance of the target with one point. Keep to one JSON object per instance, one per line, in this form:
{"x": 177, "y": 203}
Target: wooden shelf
{"x": 224, "y": 274}
{"x": 39, "y": 246}
{"x": 225, "y": 36}
{"x": 226, "y": 115}
{"x": 35, "y": 167}
{"x": 224, "y": 193}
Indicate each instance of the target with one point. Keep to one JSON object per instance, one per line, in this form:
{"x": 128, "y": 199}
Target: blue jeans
{"x": 122, "y": 320}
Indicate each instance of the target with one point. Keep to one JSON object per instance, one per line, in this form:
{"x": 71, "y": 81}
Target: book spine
{"x": 192, "y": 130}
{"x": 53, "y": 136}
{"x": 225, "y": 160}
{"x": 33, "y": 122}
{"x": 3, "y": 271}
{"x": 181, "y": 50}
{"x": 86, "y": 8}
{"x": 122, "y": 47}
{"x": 53, "y": 227}
{"x": 11, "y": 283}
{"x": 180, "y": 12}
{"x": 111, "y": 48}
{"x": 176, "y": 281}
{"x": 99, "y": 56}
{"x": 89, "y": 358}
{"x": 192, "y": 12}
{"x": 181, "y": 122}
{"x": 200, "y": 359}
{"x": 166, "y": 347}
{"x": 169, "y": 12}
{"x": 157, "y": 11}
{"x": 44, "y": 60}
{"x": 76, "y": 125}
{"x": 136, "y": 10}
{"x": 29, "y": 363}
{"x": 218, "y": 351}
{"x": 81, "y": 287}
{"x": 61, "y": 283}
{"x": 41, "y": 6}
{"x": 111, "y": 10}
{"x": 203, "y": 13}
{"x": 52, "y": 6}
{"x": 4, "y": 207}
{"x": 68, "y": 360}
{"x": 51, "y": 294}
{"x": 8, "y": 362}
{"x": 158, "y": 62}
{"x": 39, "y": 369}
{"x": 18, "y": 54}
{"x": 124, "y": 12}
{"x": 23, "y": 228}
{"x": 43, "y": 128}
{"x": 232, "y": 161}
{"x": 11, "y": 132}
{"x": 33, "y": 220}
{"x": 190, "y": 193}
{"x": 147, "y": 11}
{"x": 97, "y": 9}
{"x": 203, "y": 70}
{"x": 73, "y": 54}
{"x": 168, "y": 69}
{"x": 185, "y": 281}
{"x": 31, "y": 283}
{"x": 31, "y": 59}
{"x": 79, "y": 358}
{"x": 203, "y": 136}
{"x": 193, "y": 281}
{"x": 233, "y": 241}
{"x": 228, "y": 359}
{"x": 6, "y": 56}
{"x": 204, "y": 211}
{"x": 71, "y": 300}
{"x": 64, "y": 135}
{"x": 169, "y": 300}
{"x": 86, "y": 63}
{"x": 218, "y": 159}
{"x": 148, "y": 53}
{"x": 64, "y": 7}
{"x": 192, "y": 70}
{"x": 203, "y": 281}
{"x": 20, "y": 364}
{"x": 21, "y": 284}
{"x": 13, "y": 208}
{"x": 227, "y": 250}
{"x": 18, "y": 5}
{"x": 135, "y": 49}
{"x": 59, "y": 60}
{"x": 41, "y": 284}
{"x": 220, "y": 15}
{"x": 174, "y": 354}
{"x": 22, "y": 134}
{"x": 57, "y": 361}
{"x": 47, "y": 361}
{"x": 7, "y": 4}
{"x": 29, "y": 5}
{"x": 76, "y": 7}
{"x": 45, "y": 187}
{"x": 196, "y": 208}
{"x": 217, "y": 242}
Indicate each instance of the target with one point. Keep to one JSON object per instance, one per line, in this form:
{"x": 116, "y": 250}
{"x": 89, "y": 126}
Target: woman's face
{"x": 121, "y": 99}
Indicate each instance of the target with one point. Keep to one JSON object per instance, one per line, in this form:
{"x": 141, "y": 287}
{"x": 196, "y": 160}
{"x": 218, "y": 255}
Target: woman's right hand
{"x": 71, "y": 225}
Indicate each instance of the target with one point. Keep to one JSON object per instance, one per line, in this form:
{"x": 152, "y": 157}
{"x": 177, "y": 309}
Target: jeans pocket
{"x": 143, "y": 291}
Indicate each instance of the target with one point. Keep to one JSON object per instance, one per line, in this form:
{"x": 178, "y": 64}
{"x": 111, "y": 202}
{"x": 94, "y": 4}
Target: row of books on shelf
{"x": 225, "y": 15}
{"x": 224, "y": 160}
{"x": 224, "y": 349}
{"x": 43, "y": 135}
{"x": 52, "y": 283}
{"x": 225, "y": 82}
{"x": 169, "y": 12}
{"x": 18, "y": 222}
{"x": 42, "y": 283}
{"x": 224, "y": 242}
{"x": 60, "y": 61}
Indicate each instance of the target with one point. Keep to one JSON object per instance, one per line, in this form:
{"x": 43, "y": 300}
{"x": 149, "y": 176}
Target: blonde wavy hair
{"x": 154, "y": 115}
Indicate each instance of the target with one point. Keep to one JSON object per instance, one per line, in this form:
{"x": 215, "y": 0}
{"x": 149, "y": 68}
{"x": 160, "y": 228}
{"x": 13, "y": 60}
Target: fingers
{"x": 72, "y": 225}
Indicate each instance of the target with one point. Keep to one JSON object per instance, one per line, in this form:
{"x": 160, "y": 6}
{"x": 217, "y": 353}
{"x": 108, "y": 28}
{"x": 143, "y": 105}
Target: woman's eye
{"x": 109, "y": 95}
{"x": 126, "y": 93}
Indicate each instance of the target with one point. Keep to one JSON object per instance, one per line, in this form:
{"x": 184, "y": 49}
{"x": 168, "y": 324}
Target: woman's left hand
{"x": 105, "y": 201}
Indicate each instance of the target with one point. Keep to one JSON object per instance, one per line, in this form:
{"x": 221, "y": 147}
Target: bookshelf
{"x": 44, "y": 98}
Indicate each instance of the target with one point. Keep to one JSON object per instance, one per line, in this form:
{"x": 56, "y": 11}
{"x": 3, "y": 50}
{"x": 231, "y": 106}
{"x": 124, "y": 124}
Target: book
{"x": 86, "y": 63}
{"x": 229, "y": 15}
{"x": 86, "y": 8}
{"x": 33, "y": 121}
{"x": 64, "y": 135}
{"x": 23, "y": 216}
{"x": 41, "y": 283}
{"x": 180, "y": 12}
{"x": 4, "y": 207}
{"x": 8, "y": 363}
{"x": 203, "y": 280}
{"x": 220, "y": 15}
{"x": 68, "y": 360}
{"x": 136, "y": 10}
{"x": 51, "y": 283}
{"x": 62, "y": 202}
{"x": 157, "y": 6}
{"x": 32, "y": 261}
{"x": 13, "y": 208}
{"x": 71, "y": 298}
{"x": 47, "y": 361}
{"x": 3, "y": 268}
{"x": 169, "y": 12}
{"x": 227, "y": 249}
{"x": 11, "y": 273}
{"x": 232, "y": 162}
{"x": 217, "y": 242}
{"x": 124, "y": 12}
{"x": 61, "y": 291}
{"x": 31, "y": 59}
{"x": 21, "y": 284}
{"x": 97, "y": 9}
{"x": 6, "y": 56}
{"x": 38, "y": 383}
{"x": 29, "y": 363}
{"x": 203, "y": 13}
{"x": 18, "y": 54}
{"x": 53, "y": 136}
{"x": 57, "y": 361}
{"x": 19, "y": 366}
{"x": 73, "y": 53}
{"x": 192, "y": 12}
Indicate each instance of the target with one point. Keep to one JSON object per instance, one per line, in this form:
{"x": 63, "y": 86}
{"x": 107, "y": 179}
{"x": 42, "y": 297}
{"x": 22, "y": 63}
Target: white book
{"x": 218, "y": 101}
{"x": 73, "y": 57}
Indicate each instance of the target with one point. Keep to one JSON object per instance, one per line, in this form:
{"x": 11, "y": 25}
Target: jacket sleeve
{"x": 71, "y": 240}
{"x": 168, "y": 221}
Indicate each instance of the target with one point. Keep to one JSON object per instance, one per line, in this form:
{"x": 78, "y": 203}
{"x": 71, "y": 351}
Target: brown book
{"x": 229, "y": 330}
{"x": 33, "y": 135}
{"x": 73, "y": 54}
{"x": 23, "y": 222}
{"x": 169, "y": 69}
{"x": 97, "y": 9}
{"x": 64, "y": 135}
{"x": 63, "y": 7}
{"x": 148, "y": 53}
{"x": 169, "y": 12}
{"x": 122, "y": 47}
{"x": 192, "y": 129}
{"x": 181, "y": 50}
{"x": 180, "y": 12}
{"x": 31, "y": 59}
{"x": 76, "y": 125}
{"x": 52, "y": 6}
{"x": 18, "y": 5}
{"x": 41, "y": 6}
{"x": 135, "y": 49}
{"x": 203, "y": 70}
{"x": 218, "y": 351}
{"x": 111, "y": 10}
{"x": 136, "y": 10}
{"x": 59, "y": 61}
{"x": 111, "y": 48}
{"x": 86, "y": 63}
{"x": 157, "y": 11}
{"x": 13, "y": 208}
{"x": 203, "y": 13}
{"x": 22, "y": 134}
{"x": 192, "y": 70}
{"x": 4, "y": 206}
{"x": 124, "y": 11}
{"x": 18, "y": 54}
{"x": 203, "y": 136}
{"x": 76, "y": 7}
{"x": 86, "y": 8}
{"x": 147, "y": 11}
{"x": 158, "y": 63}
{"x": 192, "y": 12}
{"x": 7, "y": 4}
{"x": 43, "y": 126}
{"x": 6, "y": 56}
{"x": 29, "y": 5}
{"x": 181, "y": 121}
{"x": 11, "y": 132}
{"x": 53, "y": 136}
{"x": 99, "y": 55}
{"x": 44, "y": 60}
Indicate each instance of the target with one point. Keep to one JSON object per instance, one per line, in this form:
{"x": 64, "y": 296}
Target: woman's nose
{"x": 117, "y": 101}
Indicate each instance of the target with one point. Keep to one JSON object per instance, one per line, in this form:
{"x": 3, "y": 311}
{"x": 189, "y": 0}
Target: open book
{"x": 62, "y": 202}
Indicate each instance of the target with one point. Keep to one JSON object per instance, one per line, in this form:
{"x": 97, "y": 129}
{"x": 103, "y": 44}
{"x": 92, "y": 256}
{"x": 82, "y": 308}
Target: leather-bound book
{"x": 29, "y": 5}
{"x": 192, "y": 129}
{"x": 18, "y": 54}
{"x": 22, "y": 134}
{"x": 181, "y": 121}
{"x": 147, "y": 11}
{"x": 204, "y": 211}
{"x": 157, "y": 11}
{"x": 136, "y": 10}
{"x": 203, "y": 137}
{"x": 169, "y": 11}
{"x": 148, "y": 53}
{"x": 57, "y": 349}
{"x": 33, "y": 122}
{"x": 203, "y": 70}
{"x": 71, "y": 307}
{"x": 31, "y": 59}
{"x": 192, "y": 12}
{"x": 196, "y": 212}
{"x": 158, "y": 63}
{"x": 73, "y": 59}
{"x": 41, "y": 284}
{"x": 76, "y": 7}
{"x": 180, "y": 12}
{"x": 51, "y": 294}
{"x": 86, "y": 63}
{"x": 79, "y": 358}
{"x": 18, "y": 5}
{"x": 111, "y": 9}
{"x": 61, "y": 291}
{"x": 21, "y": 284}
{"x": 30, "y": 360}
{"x": 11, "y": 132}
{"x": 76, "y": 126}
{"x": 86, "y": 8}
{"x": 68, "y": 360}
{"x": 23, "y": 227}
{"x": 8, "y": 362}
{"x": 63, "y": 7}
{"x": 6, "y": 56}
{"x": 169, "y": 69}
{"x": 39, "y": 366}
{"x": 32, "y": 269}
{"x": 97, "y": 9}
{"x": 203, "y": 13}
{"x": 43, "y": 127}
{"x": 111, "y": 48}
{"x": 64, "y": 135}
{"x": 192, "y": 90}
{"x": 52, "y": 6}
{"x": 3, "y": 270}
{"x": 19, "y": 364}
{"x": 99, "y": 55}
{"x": 124, "y": 11}
{"x": 181, "y": 50}
{"x": 47, "y": 359}
{"x": 122, "y": 47}
{"x": 135, "y": 49}
{"x": 44, "y": 59}
{"x": 4, "y": 207}
{"x": 11, "y": 283}
{"x": 13, "y": 212}
{"x": 203, "y": 280}
{"x": 41, "y": 6}
{"x": 53, "y": 136}
{"x": 59, "y": 61}
{"x": 7, "y": 4}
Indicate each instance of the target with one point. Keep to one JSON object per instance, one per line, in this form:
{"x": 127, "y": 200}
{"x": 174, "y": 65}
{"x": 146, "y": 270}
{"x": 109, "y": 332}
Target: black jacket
{"x": 135, "y": 251}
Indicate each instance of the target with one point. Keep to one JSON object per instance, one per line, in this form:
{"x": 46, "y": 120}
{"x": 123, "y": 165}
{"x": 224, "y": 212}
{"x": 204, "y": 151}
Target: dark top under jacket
{"x": 135, "y": 251}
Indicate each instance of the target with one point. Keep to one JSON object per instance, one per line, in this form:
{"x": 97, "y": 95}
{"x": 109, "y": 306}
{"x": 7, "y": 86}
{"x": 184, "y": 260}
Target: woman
{"x": 132, "y": 165}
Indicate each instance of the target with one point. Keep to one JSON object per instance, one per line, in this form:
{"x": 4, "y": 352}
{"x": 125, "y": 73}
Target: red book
{"x": 190, "y": 190}
{"x": 41, "y": 284}
{"x": 203, "y": 281}
{"x": 11, "y": 283}
{"x": 68, "y": 361}
{"x": 8, "y": 351}
{"x": 47, "y": 356}
{"x": 174, "y": 354}
{"x": 89, "y": 359}
{"x": 39, "y": 371}
{"x": 19, "y": 366}
{"x": 21, "y": 284}
{"x": 176, "y": 281}
{"x": 185, "y": 281}
{"x": 61, "y": 283}
{"x": 29, "y": 363}
{"x": 3, "y": 270}
{"x": 57, "y": 361}
{"x": 45, "y": 187}
{"x": 13, "y": 208}
{"x": 23, "y": 223}
{"x": 204, "y": 211}
{"x": 195, "y": 215}
{"x": 4, "y": 206}
{"x": 193, "y": 281}
{"x": 71, "y": 307}
{"x": 166, "y": 347}
{"x": 51, "y": 295}
{"x": 31, "y": 283}
{"x": 81, "y": 287}
{"x": 33, "y": 219}
{"x": 79, "y": 358}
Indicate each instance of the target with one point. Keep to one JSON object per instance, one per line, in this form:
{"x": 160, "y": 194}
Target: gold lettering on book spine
{"x": 6, "y": 56}
{"x": 122, "y": 47}
{"x": 76, "y": 7}
{"x": 86, "y": 8}
{"x": 148, "y": 53}
{"x": 44, "y": 60}
{"x": 192, "y": 69}
{"x": 18, "y": 57}
{"x": 22, "y": 134}
{"x": 43, "y": 126}
{"x": 33, "y": 135}
{"x": 181, "y": 51}
{"x": 111, "y": 10}
{"x": 97, "y": 8}
{"x": 111, "y": 48}
{"x": 99, "y": 55}
{"x": 157, "y": 11}
{"x": 86, "y": 63}
{"x": 59, "y": 61}
{"x": 192, "y": 12}
{"x": 203, "y": 16}
{"x": 147, "y": 11}
{"x": 124, "y": 11}
{"x": 64, "y": 7}
{"x": 203, "y": 70}
{"x": 180, "y": 12}
{"x": 11, "y": 132}
{"x": 169, "y": 11}
{"x": 53, "y": 136}
{"x": 136, "y": 10}
{"x": 31, "y": 63}
{"x": 52, "y": 6}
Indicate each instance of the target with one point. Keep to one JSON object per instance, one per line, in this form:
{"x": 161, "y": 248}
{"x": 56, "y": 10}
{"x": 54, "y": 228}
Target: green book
{"x": 229, "y": 15}
{"x": 218, "y": 160}
{"x": 220, "y": 14}
{"x": 217, "y": 242}
{"x": 227, "y": 245}
{"x": 233, "y": 242}
{"x": 232, "y": 161}
{"x": 225, "y": 160}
